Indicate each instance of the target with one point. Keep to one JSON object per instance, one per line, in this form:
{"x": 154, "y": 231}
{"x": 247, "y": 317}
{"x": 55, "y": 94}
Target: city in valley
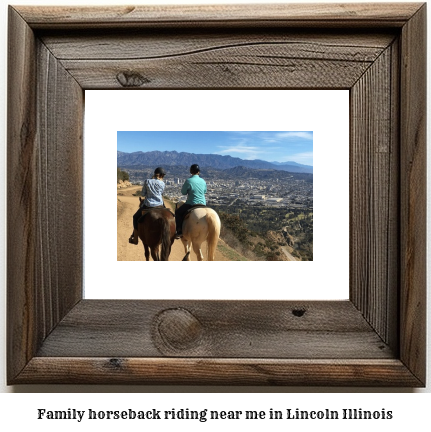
{"x": 288, "y": 192}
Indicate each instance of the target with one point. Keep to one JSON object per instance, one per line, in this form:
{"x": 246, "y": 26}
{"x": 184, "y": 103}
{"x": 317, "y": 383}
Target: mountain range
{"x": 174, "y": 158}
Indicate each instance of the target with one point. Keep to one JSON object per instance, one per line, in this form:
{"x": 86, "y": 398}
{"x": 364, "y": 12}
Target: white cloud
{"x": 269, "y": 145}
{"x": 239, "y": 149}
{"x": 246, "y": 152}
{"x": 293, "y": 134}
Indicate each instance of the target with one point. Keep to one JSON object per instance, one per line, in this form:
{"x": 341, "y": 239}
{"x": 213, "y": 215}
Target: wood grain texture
{"x": 300, "y": 14}
{"x": 21, "y": 196}
{"x": 45, "y": 182}
{"x": 264, "y": 65}
{"x": 197, "y": 371}
{"x": 413, "y": 194}
{"x": 193, "y": 59}
{"x": 59, "y": 184}
{"x": 235, "y": 329}
{"x": 140, "y": 44}
{"x": 392, "y": 303}
{"x": 374, "y": 195}
{"x": 376, "y": 338}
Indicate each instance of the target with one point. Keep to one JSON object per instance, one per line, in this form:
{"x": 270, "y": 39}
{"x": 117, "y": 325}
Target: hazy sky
{"x": 296, "y": 146}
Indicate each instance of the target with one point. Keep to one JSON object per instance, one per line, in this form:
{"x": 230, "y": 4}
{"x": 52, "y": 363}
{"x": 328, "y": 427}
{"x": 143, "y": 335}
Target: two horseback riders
{"x": 207, "y": 227}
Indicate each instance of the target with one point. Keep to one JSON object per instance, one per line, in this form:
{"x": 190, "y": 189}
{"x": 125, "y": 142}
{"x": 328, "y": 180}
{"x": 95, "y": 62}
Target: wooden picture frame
{"x": 376, "y": 338}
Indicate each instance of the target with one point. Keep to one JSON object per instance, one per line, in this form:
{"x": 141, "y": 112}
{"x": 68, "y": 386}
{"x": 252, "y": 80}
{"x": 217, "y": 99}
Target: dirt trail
{"x": 127, "y": 204}
{"x": 288, "y": 254}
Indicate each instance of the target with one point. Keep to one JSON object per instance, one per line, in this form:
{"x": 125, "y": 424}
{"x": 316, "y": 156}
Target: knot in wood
{"x": 115, "y": 363}
{"x": 131, "y": 79}
{"x": 178, "y": 329}
{"x": 298, "y": 312}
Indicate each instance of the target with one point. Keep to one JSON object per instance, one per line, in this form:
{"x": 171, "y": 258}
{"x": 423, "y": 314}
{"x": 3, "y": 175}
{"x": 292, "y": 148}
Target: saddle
{"x": 148, "y": 210}
{"x": 192, "y": 208}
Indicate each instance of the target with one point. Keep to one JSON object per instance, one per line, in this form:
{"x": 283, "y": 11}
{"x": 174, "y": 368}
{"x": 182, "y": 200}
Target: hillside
{"x": 268, "y": 232}
{"x": 268, "y": 246}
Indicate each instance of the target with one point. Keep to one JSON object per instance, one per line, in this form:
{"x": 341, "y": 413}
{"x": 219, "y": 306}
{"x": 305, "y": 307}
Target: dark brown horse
{"x": 157, "y": 229}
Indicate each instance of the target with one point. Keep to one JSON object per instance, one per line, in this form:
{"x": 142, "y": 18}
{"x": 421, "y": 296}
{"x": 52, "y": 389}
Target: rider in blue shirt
{"x": 195, "y": 188}
{"x": 152, "y": 192}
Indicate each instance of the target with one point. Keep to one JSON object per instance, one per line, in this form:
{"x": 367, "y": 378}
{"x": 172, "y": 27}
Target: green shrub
{"x": 122, "y": 175}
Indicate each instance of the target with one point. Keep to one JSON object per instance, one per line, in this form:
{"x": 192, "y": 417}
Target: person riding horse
{"x": 195, "y": 188}
{"x": 152, "y": 192}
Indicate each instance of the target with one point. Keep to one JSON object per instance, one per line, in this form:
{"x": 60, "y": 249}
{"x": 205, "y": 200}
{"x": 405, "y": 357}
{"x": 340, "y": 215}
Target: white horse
{"x": 201, "y": 224}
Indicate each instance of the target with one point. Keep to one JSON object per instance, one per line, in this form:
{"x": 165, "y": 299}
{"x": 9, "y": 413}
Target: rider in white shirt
{"x": 152, "y": 192}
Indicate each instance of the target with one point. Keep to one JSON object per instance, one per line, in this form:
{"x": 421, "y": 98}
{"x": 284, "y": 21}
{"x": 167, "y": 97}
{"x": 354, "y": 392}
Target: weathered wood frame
{"x": 377, "y": 338}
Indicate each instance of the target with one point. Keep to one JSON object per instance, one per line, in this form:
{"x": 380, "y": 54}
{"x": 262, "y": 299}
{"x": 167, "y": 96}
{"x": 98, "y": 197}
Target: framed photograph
{"x": 375, "y": 337}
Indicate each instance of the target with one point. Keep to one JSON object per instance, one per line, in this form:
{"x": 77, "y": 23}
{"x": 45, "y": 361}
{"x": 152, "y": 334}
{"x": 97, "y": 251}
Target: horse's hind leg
{"x": 186, "y": 244}
{"x": 155, "y": 253}
{"x": 147, "y": 253}
{"x": 198, "y": 251}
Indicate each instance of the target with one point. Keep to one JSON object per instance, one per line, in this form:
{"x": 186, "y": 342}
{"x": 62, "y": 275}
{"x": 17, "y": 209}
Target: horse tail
{"x": 165, "y": 240}
{"x": 186, "y": 256}
{"x": 213, "y": 233}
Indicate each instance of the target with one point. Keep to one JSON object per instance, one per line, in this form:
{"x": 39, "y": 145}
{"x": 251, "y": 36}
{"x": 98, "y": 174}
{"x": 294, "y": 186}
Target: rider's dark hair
{"x": 194, "y": 169}
{"x": 160, "y": 171}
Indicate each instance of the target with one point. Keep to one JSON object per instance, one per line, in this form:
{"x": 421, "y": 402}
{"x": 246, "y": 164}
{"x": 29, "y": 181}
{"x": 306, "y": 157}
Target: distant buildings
{"x": 288, "y": 192}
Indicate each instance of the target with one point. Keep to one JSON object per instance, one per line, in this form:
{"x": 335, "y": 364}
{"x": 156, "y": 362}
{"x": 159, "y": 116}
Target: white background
{"x": 19, "y": 410}
{"x": 326, "y": 113}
